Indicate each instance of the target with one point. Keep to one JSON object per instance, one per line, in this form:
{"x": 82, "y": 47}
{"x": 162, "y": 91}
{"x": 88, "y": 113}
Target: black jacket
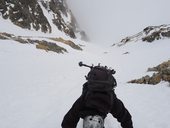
{"x": 78, "y": 110}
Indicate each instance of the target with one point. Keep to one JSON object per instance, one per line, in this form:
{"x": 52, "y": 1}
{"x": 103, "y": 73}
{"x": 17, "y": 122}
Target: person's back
{"x": 97, "y": 100}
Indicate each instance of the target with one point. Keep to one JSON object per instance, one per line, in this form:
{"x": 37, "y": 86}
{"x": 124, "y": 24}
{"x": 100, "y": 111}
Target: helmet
{"x": 93, "y": 122}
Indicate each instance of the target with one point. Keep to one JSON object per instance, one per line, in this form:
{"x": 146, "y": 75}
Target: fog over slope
{"x": 111, "y": 20}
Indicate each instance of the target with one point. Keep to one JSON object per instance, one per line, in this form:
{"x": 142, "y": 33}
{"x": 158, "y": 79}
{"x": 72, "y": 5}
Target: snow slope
{"x": 38, "y": 88}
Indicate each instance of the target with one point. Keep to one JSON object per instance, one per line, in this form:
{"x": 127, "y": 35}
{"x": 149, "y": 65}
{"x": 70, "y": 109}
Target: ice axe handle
{"x": 81, "y": 64}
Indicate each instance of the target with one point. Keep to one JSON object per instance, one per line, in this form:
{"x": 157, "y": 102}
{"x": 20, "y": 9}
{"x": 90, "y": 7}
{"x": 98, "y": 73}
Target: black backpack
{"x": 98, "y": 91}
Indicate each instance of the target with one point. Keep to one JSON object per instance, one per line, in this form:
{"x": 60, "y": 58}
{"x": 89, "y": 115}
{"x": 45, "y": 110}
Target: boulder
{"x": 162, "y": 72}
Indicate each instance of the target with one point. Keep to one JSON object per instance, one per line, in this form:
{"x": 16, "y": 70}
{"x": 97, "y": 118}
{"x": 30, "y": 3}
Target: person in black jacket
{"x": 80, "y": 110}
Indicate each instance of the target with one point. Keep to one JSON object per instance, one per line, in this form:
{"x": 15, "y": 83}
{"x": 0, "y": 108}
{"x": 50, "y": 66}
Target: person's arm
{"x": 122, "y": 114}
{"x": 72, "y": 117}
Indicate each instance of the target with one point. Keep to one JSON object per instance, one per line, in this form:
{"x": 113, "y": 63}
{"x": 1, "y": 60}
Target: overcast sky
{"x": 112, "y": 20}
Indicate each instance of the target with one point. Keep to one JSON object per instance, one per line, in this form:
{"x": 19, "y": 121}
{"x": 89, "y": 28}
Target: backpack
{"x": 98, "y": 91}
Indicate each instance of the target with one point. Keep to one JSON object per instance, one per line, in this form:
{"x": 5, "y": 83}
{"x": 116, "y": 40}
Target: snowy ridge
{"x": 148, "y": 34}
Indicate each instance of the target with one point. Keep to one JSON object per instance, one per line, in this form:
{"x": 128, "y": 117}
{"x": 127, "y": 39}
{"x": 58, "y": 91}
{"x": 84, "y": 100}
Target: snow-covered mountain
{"x": 44, "y": 23}
{"x": 47, "y": 16}
{"x": 38, "y": 85}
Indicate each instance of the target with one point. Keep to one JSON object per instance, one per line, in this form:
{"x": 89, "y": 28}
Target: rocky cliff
{"x": 148, "y": 34}
{"x": 43, "y": 15}
{"x": 162, "y": 73}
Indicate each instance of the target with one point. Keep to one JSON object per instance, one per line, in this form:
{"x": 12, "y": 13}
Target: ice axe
{"x": 112, "y": 71}
{"x": 81, "y": 64}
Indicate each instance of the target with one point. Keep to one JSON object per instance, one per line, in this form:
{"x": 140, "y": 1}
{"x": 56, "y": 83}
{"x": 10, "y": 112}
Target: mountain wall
{"x": 43, "y": 15}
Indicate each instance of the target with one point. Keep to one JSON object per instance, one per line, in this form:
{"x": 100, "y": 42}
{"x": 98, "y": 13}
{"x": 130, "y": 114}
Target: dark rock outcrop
{"x": 162, "y": 73}
{"x": 42, "y": 44}
{"x": 25, "y": 13}
{"x": 68, "y": 42}
{"x": 32, "y": 14}
{"x": 149, "y": 34}
{"x": 156, "y": 33}
{"x": 48, "y": 46}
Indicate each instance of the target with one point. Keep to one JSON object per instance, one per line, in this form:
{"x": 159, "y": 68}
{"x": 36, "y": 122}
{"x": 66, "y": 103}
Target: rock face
{"x": 162, "y": 73}
{"x": 32, "y": 14}
{"x": 156, "y": 33}
{"x": 149, "y": 34}
{"x": 42, "y": 44}
{"x": 25, "y": 13}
